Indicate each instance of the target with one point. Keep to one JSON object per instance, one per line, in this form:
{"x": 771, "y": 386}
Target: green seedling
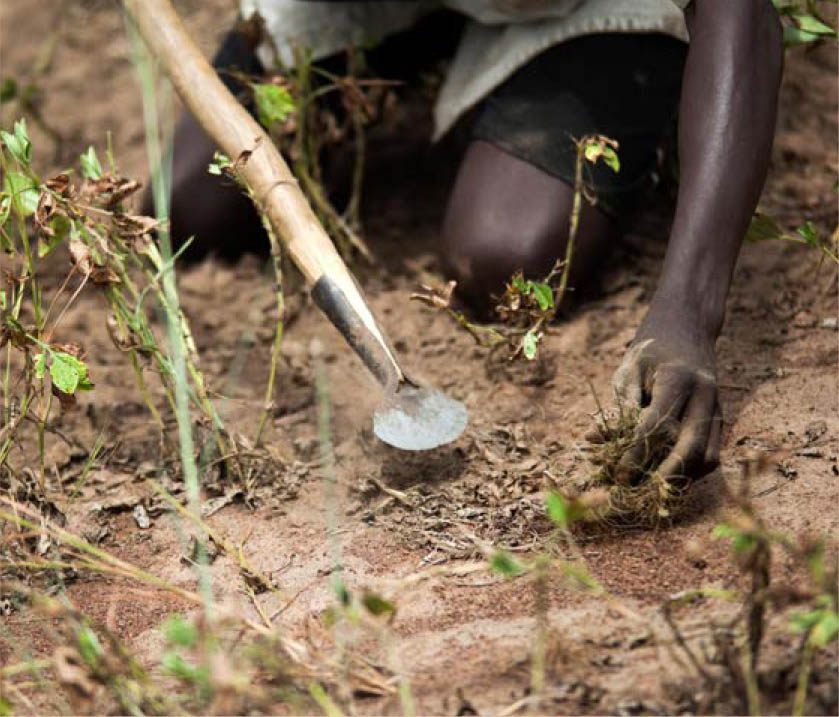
{"x": 528, "y": 306}
{"x": 803, "y": 23}
{"x": 765, "y": 228}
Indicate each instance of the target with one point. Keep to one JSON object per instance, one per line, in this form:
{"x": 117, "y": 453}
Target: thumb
{"x": 628, "y": 381}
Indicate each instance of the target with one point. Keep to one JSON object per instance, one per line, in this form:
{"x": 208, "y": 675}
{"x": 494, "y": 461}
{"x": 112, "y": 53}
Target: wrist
{"x": 694, "y": 284}
{"x": 682, "y": 316}
{"x": 701, "y": 312}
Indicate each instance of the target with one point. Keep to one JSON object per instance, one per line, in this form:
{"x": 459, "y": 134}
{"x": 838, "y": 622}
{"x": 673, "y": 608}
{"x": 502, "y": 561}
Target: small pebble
{"x": 141, "y": 516}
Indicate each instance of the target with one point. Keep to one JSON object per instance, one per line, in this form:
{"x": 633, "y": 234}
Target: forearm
{"x": 726, "y": 124}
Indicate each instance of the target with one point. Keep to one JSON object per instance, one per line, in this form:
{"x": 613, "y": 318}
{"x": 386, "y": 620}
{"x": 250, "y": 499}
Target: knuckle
{"x": 685, "y": 460}
{"x": 672, "y": 382}
{"x": 705, "y": 382}
{"x": 694, "y": 454}
{"x": 670, "y": 429}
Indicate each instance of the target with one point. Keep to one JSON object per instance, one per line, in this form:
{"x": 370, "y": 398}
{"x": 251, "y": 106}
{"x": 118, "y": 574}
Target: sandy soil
{"x": 464, "y": 640}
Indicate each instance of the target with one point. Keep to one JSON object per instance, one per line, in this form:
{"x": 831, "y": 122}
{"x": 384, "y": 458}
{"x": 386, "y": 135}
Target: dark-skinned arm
{"x": 726, "y": 125}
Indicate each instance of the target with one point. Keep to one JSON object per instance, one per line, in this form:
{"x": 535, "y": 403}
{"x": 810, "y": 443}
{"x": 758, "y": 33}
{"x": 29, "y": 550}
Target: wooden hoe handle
{"x": 235, "y": 131}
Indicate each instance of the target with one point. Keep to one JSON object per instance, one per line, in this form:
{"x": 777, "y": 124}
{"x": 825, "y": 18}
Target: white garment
{"x": 500, "y": 37}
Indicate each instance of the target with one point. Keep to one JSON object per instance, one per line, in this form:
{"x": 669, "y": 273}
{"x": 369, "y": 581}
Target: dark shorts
{"x": 623, "y": 86}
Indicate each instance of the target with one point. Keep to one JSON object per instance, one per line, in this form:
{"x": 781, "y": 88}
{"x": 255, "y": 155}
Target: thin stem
{"x": 750, "y": 679}
{"x": 177, "y": 344}
{"x": 574, "y": 222}
{"x": 60, "y": 291}
{"x": 540, "y": 638}
{"x": 66, "y": 306}
{"x": 276, "y": 261}
{"x": 800, "y": 701}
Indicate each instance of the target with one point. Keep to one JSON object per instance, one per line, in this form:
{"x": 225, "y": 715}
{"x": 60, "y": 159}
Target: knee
{"x": 482, "y": 257}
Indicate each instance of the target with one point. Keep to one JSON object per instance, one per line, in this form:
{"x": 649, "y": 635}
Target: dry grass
{"x": 647, "y": 500}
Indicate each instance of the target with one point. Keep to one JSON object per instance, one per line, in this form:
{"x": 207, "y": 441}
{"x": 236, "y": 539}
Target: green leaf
{"x": 8, "y": 90}
{"x": 179, "y": 632}
{"x": 809, "y": 234}
{"x": 89, "y": 647}
{"x": 784, "y": 7}
{"x": 582, "y": 576}
{"x": 220, "y": 162}
{"x": 175, "y": 665}
{"x": 23, "y": 191}
{"x": 763, "y": 228}
{"x": 91, "y": 168}
{"x": 22, "y": 137}
{"x": 811, "y": 24}
{"x": 64, "y": 373}
{"x": 822, "y": 624}
{"x": 557, "y": 509}
{"x": 544, "y": 295}
{"x": 18, "y": 143}
{"x": 529, "y": 344}
{"x": 68, "y": 373}
{"x": 826, "y": 629}
{"x": 796, "y": 36}
{"x": 39, "y": 365}
{"x": 505, "y": 564}
{"x": 599, "y": 147}
{"x": 519, "y": 284}
{"x": 273, "y": 103}
{"x": 723, "y": 530}
{"x": 377, "y": 605}
{"x": 61, "y": 226}
{"x": 591, "y": 151}
{"x": 324, "y": 701}
{"x": 610, "y": 157}
{"x": 815, "y": 561}
{"x": 803, "y": 621}
{"x": 741, "y": 542}
{"x": 5, "y": 210}
{"x": 340, "y": 590}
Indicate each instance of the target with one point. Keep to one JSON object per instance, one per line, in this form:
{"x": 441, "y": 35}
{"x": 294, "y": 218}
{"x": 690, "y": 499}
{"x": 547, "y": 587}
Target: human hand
{"x": 669, "y": 373}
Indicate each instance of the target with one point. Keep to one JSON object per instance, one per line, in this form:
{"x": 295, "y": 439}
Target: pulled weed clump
{"x": 646, "y": 499}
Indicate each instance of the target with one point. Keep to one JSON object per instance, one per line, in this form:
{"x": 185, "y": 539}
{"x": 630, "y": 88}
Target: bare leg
{"x": 505, "y": 215}
{"x": 219, "y": 216}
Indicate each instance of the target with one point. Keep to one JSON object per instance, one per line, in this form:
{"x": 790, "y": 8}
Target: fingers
{"x": 688, "y": 457}
{"x": 672, "y": 387}
{"x": 628, "y": 381}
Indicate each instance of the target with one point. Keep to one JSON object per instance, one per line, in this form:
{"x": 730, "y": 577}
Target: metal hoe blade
{"x": 419, "y": 418}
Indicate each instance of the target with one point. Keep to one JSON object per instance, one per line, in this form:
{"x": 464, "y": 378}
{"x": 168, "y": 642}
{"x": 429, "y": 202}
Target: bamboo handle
{"x": 235, "y": 131}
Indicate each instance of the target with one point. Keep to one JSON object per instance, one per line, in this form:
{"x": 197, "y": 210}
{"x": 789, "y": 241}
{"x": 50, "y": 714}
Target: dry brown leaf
{"x": 435, "y": 296}
{"x": 46, "y": 209}
{"x": 60, "y": 184}
{"x": 67, "y": 400}
{"x": 109, "y": 190}
{"x": 81, "y": 257}
{"x": 104, "y": 275}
